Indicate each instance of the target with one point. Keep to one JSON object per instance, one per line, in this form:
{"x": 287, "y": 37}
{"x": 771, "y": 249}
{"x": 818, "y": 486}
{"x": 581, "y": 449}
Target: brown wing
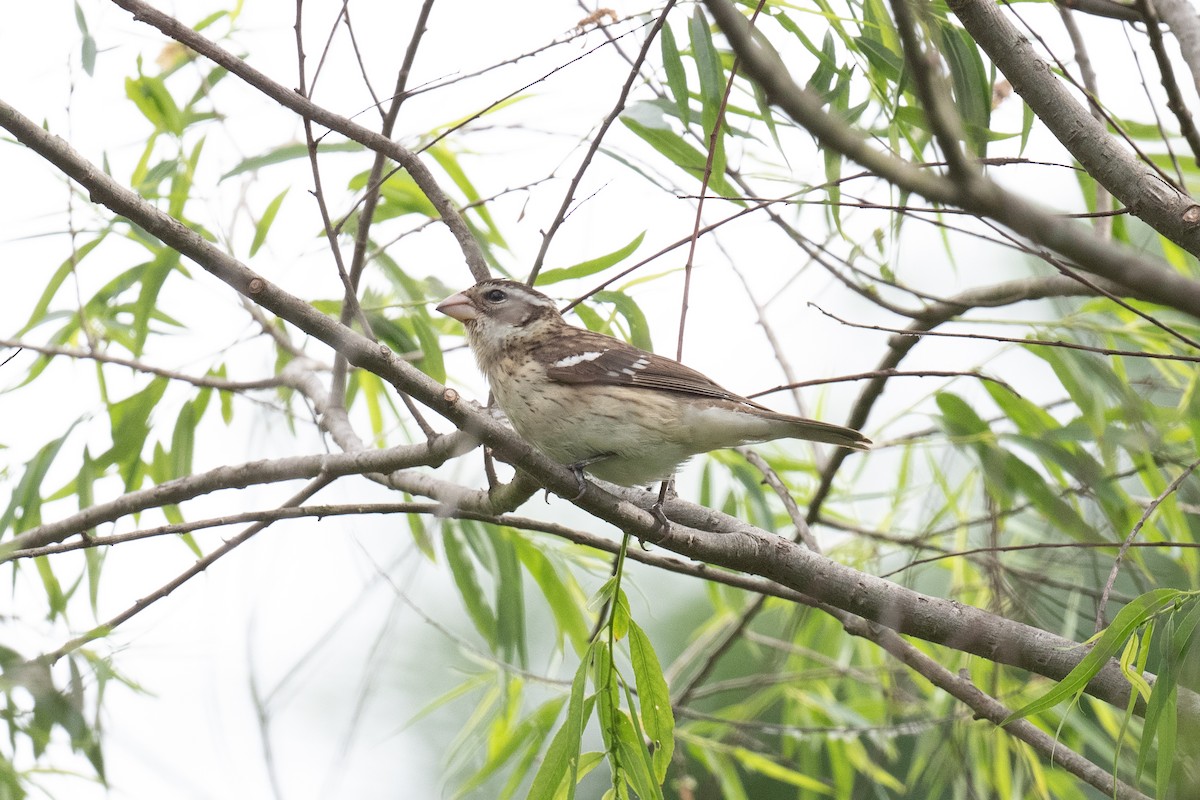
{"x": 589, "y": 357}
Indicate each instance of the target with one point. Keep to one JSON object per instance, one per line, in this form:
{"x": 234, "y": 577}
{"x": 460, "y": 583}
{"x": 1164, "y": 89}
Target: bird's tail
{"x": 816, "y": 431}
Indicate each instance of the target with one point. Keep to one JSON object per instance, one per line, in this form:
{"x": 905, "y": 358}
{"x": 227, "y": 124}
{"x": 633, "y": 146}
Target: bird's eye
{"x": 495, "y": 296}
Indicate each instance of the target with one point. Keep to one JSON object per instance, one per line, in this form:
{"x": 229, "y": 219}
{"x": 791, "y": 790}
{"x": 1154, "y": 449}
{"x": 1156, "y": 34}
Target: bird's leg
{"x": 577, "y": 469}
{"x": 660, "y": 516}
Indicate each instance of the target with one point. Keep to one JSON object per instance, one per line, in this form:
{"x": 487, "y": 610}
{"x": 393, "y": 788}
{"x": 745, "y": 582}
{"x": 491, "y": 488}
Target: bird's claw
{"x": 661, "y": 523}
{"x": 577, "y": 471}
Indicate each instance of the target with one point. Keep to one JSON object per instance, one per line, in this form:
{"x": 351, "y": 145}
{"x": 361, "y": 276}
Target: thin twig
{"x": 1107, "y": 351}
{"x": 1125, "y": 545}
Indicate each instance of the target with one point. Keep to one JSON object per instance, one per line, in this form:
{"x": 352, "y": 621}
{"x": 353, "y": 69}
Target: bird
{"x": 597, "y": 404}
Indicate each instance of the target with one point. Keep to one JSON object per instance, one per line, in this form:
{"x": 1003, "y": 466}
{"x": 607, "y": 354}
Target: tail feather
{"x": 817, "y": 431}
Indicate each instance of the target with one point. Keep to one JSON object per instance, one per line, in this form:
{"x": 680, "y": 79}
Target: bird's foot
{"x": 577, "y": 471}
{"x": 661, "y": 523}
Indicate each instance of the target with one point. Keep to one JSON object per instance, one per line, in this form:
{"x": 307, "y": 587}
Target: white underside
{"x": 644, "y": 446}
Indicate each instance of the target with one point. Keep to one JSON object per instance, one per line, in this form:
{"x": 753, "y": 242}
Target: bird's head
{"x": 498, "y": 313}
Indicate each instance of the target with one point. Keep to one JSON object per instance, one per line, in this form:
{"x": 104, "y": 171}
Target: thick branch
{"x": 239, "y": 476}
{"x": 1184, "y": 21}
{"x": 1140, "y": 189}
{"x": 1159, "y": 204}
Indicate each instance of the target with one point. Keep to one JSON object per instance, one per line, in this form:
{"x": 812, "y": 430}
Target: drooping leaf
{"x": 591, "y": 266}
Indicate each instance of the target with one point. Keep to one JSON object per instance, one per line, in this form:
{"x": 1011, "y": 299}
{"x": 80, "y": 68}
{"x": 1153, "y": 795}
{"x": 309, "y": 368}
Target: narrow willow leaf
{"x": 972, "y": 89}
{"x": 56, "y": 599}
{"x": 708, "y": 65}
{"x": 1176, "y": 639}
{"x": 756, "y": 762}
{"x": 1131, "y": 654}
{"x": 130, "y": 421}
{"x": 154, "y": 100}
{"x": 591, "y": 266}
{"x": 449, "y": 162}
{"x": 26, "y": 498}
{"x": 563, "y": 596}
{"x": 676, "y": 76}
{"x": 183, "y": 440}
{"x": 288, "y": 152}
{"x": 635, "y": 758}
{"x": 510, "y": 600}
{"x": 562, "y": 757}
{"x": 265, "y": 221}
{"x": 639, "y": 327}
{"x": 431, "y": 363}
{"x": 463, "y": 570}
{"x": 153, "y": 277}
{"x": 65, "y": 269}
{"x": 525, "y": 736}
{"x": 654, "y": 700}
{"x": 682, "y": 154}
{"x": 1130, "y": 618}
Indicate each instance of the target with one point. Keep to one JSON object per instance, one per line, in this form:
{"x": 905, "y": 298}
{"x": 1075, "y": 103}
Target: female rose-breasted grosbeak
{"x": 591, "y": 401}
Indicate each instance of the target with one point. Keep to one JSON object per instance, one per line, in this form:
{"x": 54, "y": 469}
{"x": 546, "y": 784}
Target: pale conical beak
{"x": 458, "y": 306}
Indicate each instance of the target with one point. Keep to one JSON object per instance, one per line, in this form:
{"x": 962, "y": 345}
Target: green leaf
{"x": 654, "y": 700}
{"x": 463, "y": 570}
{"x": 65, "y": 269}
{"x": 708, "y": 65}
{"x": 639, "y": 328}
{"x": 1139, "y": 611}
{"x": 264, "y": 222}
{"x": 1176, "y": 639}
{"x": 510, "y": 600}
{"x": 563, "y": 596}
{"x": 399, "y": 196}
{"x": 288, "y": 152}
{"x": 562, "y": 757}
{"x": 676, "y": 76}
{"x": 130, "y": 421}
{"x": 431, "y": 363}
{"x": 183, "y": 440}
{"x": 154, "y": 276}
{"x": 87, "y": 54}
{"x": 756, "y": 762}
{"x": 528, "y": 735}
{"x": 56, "y": 600}
{"x": 682, "y": 154}
{"x": 152, "y": 98}
{"x": 592, "y": 266}
{"x": 959, "y": 419}
{"x": 634, "y": 758}
{"x": 26, "y": 497}
{"x": 885, "y": 64}
{"x": 972, "y": 89}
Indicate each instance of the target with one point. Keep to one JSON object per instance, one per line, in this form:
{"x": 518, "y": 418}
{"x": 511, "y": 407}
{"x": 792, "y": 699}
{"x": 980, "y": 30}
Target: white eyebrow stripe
{"x": 578, "y": 358}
